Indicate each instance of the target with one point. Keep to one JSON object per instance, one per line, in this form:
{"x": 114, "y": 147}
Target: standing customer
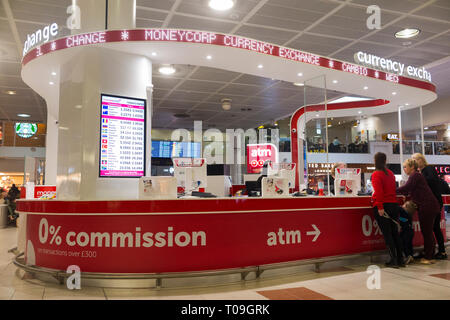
{"x": 386, "y": 209}
{"x": 427, "y": 206}
{"x": 434, "y": 182}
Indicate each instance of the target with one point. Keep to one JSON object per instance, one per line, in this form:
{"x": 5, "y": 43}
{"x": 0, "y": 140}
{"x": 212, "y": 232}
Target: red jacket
{"x": 383, "y": 188}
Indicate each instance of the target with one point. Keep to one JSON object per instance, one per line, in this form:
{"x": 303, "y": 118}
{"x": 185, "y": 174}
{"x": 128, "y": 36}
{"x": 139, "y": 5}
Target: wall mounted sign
{"x": 203, "y": 37}
{"x": 258, "y": 154}
{"x": 40, "y": 36}
{"x": 122, "y": 137}
{"x": 25, "y": 130}
{"x": 391, "y": 66}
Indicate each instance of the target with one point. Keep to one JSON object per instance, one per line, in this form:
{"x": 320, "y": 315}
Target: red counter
{"x": 161, "y": 236}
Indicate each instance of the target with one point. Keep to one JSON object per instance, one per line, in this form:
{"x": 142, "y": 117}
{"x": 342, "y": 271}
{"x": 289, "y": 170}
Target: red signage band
{"x": 189, "y": 242}
{"x": 203, "y": 37}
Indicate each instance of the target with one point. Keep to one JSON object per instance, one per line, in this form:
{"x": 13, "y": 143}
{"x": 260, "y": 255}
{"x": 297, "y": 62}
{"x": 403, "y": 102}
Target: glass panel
{"x": 411, "y": 132}
{"x": 316, "y": 135}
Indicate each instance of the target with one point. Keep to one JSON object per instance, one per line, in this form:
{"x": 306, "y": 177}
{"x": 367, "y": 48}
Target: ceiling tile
{"x": 435, "y": 12}
{"x": 150, "y": 15}
{"x": 144, "y": 23}
{"x": 244, "y": 90}
{"x": 423, "y": 24}
{"x": 202, "y": 86}
{"x": 187, "y": 95}
{"x": 156, "y": 4}
{"x": 200, "y": 7}
{"x": 10, "y": 68}
{"x": 198, "y": 23}
{"x": 164, "y": 82}
{"x": 278, "y": 23}
{"x": 400, "y": 6}
{"x": 205, "y": 73}
{"x": 338, "y": 31}
{"x": 254, "y": 80}
{"x": 236, "y": 99}
{"x": 175, "y": 104}
{"x": 323, "y": 6}
{"x": 265, "y": 34}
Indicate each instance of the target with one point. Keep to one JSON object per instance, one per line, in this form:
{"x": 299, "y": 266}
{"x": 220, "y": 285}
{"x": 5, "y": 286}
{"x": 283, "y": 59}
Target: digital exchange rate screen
{"x": 122, "y": 136}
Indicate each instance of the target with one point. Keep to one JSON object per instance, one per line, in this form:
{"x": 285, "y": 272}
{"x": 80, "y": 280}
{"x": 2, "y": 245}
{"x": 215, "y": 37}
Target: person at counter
{"x": 427, "y": 206}
{"x": 434, "y": 182}
{"x": 386, "y": 210}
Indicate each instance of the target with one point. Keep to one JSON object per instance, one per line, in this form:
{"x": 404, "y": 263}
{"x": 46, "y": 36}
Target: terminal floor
{"x": 336, "y": 280}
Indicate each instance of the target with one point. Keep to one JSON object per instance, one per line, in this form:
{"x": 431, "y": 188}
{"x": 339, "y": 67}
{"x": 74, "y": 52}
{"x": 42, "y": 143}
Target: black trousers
{"x": 407, "y": 236}
{"x": 438, "y": 233}
{"x": 390, "y": 230}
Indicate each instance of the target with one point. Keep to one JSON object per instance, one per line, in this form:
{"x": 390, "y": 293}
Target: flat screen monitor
{"x": 172, "y": 149}
{"x": 122, "y": 137}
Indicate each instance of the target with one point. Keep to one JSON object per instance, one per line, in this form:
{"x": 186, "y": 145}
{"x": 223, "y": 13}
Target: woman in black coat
{"x": 433, "y": 181}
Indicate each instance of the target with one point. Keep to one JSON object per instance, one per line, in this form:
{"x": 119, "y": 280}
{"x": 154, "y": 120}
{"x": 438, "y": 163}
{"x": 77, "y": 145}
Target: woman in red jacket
{"x": 386, "y": 209}
{"x": 427, "y": 206}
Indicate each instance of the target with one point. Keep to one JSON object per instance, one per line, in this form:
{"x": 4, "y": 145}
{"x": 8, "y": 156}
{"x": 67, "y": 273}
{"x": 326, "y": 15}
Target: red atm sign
{"x": 258, "y": 154}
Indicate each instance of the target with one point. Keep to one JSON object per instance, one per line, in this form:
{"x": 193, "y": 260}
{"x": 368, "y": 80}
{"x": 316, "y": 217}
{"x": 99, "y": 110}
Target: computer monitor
{"x": 252, "y": 186}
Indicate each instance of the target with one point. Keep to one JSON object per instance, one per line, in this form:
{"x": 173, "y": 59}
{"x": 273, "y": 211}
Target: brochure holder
{"x": 157, "y": 188}
{"x": 190, "y": 173}
{"x": 347, "y": 182}
{"x": 283, "y": 170}
{"x": 274, "y": 187}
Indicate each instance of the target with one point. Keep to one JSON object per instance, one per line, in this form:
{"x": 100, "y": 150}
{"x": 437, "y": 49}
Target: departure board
{"x": 173, "y": 149}
{"x": 122, "y": 137}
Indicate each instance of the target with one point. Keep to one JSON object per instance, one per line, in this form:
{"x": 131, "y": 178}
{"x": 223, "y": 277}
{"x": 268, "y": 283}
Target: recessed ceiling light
{"x": 208, "y": 57}
{"x": 317, "y": 114}
{"x": 299, "y": 84}
{"x": 53, "y": 73}
{"x": 366, "y": 87}
{"x": 260, "y": 66}
{"x": 406, "y": 104}
{"x": 300, "y": 74}
{"x": 23, "y": 115}
{"x": 51, "y": 83}
{"x": 167, "y": 69}
{"x": 154, "y": 54}
{"x": 335, "y": 81}
{"x": 394, "y": 93}
{"x": 221, "y": 5}
{"x": 11, "y": 92}
{"x": 359, "y": 112}
{"x": 407, "y": 33}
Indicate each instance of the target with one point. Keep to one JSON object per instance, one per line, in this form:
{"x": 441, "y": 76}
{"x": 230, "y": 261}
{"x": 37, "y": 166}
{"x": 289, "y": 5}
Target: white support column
{"x": 121, "y": 14}
{"x": 92, "y": 14}
{"x": 421, "y": 130}
{"x": 93, "y": 72}
{"x": 51, "y": 149}
{"x": 404, "y": 177}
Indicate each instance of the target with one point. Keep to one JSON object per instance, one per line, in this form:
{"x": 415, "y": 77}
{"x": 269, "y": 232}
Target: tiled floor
{"x": 337, "y": 280}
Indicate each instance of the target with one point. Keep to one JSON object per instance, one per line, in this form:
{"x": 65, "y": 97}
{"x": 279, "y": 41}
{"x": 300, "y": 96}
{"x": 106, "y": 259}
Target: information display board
{"x": 173, "y": 149}
{"x": 122, "y": 137}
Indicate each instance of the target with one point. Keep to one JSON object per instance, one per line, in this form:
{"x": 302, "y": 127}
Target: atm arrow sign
{"x": 315, "y": 233}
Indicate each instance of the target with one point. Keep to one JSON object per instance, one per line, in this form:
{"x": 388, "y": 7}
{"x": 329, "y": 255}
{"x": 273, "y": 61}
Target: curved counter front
{"x": 161, "y": 236}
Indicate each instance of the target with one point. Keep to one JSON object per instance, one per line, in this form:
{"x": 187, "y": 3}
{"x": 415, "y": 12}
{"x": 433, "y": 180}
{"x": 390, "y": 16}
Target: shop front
{"x": 111, "y": 215}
